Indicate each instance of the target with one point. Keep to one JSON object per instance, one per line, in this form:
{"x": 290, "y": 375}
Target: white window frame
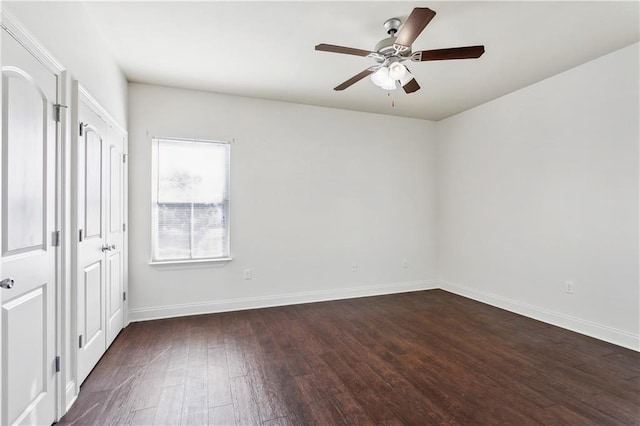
{"x": 154, "y": 194}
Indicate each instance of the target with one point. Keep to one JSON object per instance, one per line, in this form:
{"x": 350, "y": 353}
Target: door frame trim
{"x": 96, "y": 107}
{"x": 14, "y": 27}
{"x": 24, "y": 37}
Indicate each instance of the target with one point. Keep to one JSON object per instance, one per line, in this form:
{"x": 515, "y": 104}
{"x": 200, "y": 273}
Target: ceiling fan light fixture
{"x": 391, "y": 51}
{"x": 397, "y": 71}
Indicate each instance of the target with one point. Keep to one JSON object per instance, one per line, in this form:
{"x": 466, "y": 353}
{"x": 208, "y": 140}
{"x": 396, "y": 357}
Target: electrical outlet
{"x": 405, "y": 263}
{"x": 568, "y": 287}
{"x": 248, "y": 274}
{"x": 354, "y": 267}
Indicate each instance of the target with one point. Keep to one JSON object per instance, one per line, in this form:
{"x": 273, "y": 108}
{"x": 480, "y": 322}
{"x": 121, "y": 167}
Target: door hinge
{"x": 80, "y": 341}
{"x": 124, "y": 227}
{"x": 58, "y": 364}
{"x": 56, "y": 239}
{"x": 124, "y": 158}
{"x": 56, "y": 111}
{"x": 81, "y": 127}
{"x": 124, "y": 296}
{"x": 80, "y": 236}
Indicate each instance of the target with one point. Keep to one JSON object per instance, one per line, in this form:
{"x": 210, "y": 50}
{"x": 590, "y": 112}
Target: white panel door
{"x": 28, "y": 221}
{"x": 115, "y": 234}
{"x": 100, "y": 249}
{"x": 91, "y": 266}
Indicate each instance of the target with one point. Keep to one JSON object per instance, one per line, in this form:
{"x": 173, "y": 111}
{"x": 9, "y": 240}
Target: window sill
{"x": 189, "y": 262}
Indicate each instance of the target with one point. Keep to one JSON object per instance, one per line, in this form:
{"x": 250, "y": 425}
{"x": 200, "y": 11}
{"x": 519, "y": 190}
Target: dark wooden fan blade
{"x": 341, "y": 49}
{"x": 356, "y": 78}
{"x": 419, "y": 18}
{"x": 411, "y": 86}
{"x": 469, "y": 52}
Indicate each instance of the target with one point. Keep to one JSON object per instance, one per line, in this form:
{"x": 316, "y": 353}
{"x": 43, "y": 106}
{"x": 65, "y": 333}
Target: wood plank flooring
{"x": 418, "y": 358}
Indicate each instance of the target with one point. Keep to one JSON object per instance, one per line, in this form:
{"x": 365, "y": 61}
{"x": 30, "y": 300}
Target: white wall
{"x": 67, "y": 31}
{"x": 540, "y": 187}
{"x": 312, "y": 190}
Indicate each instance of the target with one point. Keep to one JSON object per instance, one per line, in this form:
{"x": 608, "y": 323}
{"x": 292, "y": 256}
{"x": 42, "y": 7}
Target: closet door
{"x": 91, "y": 248}
{"x": 100, "y": 180}
{"x": 28, "y": 293}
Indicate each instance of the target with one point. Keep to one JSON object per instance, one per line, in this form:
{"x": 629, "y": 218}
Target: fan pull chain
{"x": 393, "y": 102}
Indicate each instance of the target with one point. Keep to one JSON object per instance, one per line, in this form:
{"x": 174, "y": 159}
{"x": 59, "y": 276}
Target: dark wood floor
{"x": 416, "y": 358}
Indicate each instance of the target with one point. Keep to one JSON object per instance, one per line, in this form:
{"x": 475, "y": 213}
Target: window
{"x": 190, "y": 206}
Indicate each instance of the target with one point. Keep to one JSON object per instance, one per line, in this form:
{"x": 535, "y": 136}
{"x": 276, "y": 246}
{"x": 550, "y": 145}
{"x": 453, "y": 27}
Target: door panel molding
{"x": 30, "y": 210}
{"x": 93, "y": 188}
{"x": 25, "y": 391}
{"x": 93, "y": 324}
{"x": 115, "y": 189}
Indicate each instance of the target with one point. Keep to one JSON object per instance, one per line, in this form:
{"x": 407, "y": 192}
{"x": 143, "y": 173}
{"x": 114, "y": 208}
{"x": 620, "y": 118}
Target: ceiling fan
{"x": 390, "y": 52}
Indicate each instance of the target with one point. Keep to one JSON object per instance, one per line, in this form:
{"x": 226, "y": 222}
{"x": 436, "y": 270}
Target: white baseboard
{"x": 70, "y": 396}
{"x": 145, "y": 314}
{"x": 601, "y": 332}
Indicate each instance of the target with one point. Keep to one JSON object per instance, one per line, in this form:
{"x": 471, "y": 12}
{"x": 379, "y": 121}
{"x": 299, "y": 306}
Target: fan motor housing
{"x": 385, "y": 48}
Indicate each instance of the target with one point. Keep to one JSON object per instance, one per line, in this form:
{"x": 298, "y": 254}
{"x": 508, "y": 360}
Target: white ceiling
{"x": 266, "y": 49}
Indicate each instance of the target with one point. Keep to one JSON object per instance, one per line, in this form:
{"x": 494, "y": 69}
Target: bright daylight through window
{"x": 190, "y": 217}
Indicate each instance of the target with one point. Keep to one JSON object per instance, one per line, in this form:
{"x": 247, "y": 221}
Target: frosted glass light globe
{"x": 397, "y": 71}
{"x": 380, "y": 76}
{"x": 382, "y": 79}
{"x": 389, "y": 84}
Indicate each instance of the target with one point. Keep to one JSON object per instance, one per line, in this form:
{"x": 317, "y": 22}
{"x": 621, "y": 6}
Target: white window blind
{"x": 190, "y": 206}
